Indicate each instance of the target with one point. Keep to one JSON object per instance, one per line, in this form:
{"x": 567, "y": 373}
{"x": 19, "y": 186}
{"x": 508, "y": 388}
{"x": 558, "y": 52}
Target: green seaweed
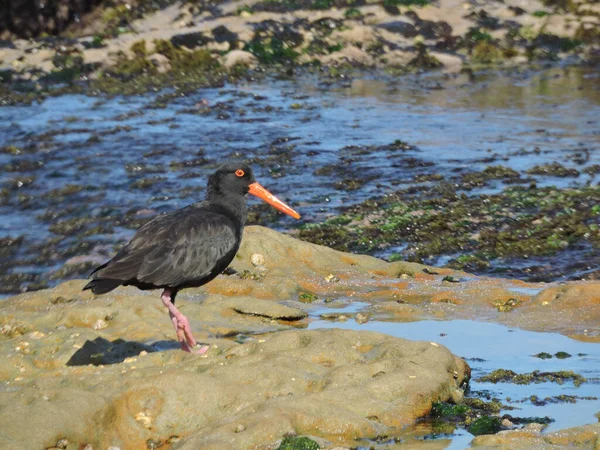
{"x": 271, "y": 50}
{"x": 352, "y": 13}
{"x": 506, "y": 305}
{"x": 298, "y": 443}
{"x": 442, "y": 409}
{"x": 508, "y": 376}
{"x": 485, "y": 425}
{"x": 307, "y": 297}
{"x": 418, "y": 3}
{"x": 517, "y": 222}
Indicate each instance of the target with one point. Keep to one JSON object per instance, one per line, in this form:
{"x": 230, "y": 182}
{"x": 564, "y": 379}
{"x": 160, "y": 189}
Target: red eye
{"x": 240, "y": 173}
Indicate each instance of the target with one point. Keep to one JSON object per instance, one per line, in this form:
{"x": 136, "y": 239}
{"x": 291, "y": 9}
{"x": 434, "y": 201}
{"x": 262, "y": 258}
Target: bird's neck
{"x": 234, "y": 206}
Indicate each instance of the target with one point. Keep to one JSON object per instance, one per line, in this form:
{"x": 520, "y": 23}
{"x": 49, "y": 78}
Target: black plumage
{"x": 188, "y": 247}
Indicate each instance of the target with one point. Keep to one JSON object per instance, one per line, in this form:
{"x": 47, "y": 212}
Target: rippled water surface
{"x": 81, "y": 173}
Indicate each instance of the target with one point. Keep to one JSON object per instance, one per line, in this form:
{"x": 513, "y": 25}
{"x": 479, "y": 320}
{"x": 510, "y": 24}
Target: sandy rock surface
{"x": 334, "y": 384}
{"x": 106, "y": 370}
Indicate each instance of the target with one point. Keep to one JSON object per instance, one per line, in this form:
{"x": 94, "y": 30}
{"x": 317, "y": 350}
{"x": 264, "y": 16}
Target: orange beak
{"x": 261, "y": 192}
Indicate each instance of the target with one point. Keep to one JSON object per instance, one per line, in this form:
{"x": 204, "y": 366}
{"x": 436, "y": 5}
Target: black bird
{"x": 188, "y": 247}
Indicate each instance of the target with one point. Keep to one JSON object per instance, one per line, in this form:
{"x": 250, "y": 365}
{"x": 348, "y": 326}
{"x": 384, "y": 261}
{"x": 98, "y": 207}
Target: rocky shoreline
{"x": 131, "y": 48}
{"x": 103, "y": 373}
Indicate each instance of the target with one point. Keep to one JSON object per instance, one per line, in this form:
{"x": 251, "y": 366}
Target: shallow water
{"x": 489, "y": 346}
{"x": 306, "y": 139}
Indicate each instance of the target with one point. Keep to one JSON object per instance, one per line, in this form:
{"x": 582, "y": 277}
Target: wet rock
{"x": 530, "y": 437}
{"x": 262, "y": 308}
{"x": 548, "y": 310}
{"x": 553, "y": 169}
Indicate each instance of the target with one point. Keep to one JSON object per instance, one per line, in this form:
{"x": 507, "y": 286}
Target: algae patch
{"x": 298, "y": 443}
{"x": 508, "y": 376}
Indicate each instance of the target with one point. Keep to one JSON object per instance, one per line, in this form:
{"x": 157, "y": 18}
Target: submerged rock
{"x": 530, "y": 437}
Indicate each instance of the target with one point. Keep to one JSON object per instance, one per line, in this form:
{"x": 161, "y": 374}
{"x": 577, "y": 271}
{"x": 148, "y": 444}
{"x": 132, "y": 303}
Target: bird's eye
{"x": 240, "y": 173}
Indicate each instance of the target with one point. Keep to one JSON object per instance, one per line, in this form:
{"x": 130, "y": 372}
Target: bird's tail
{"x": 102, "y": 285}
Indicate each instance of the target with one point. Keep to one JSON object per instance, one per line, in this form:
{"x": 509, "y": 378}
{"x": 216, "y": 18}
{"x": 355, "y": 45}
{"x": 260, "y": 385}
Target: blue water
{"x": 501, "y": 347}
{"x": 287, "y": 130}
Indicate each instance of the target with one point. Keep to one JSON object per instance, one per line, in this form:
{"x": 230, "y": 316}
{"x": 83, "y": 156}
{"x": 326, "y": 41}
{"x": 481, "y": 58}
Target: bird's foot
{"x": 198, "y": 349}
{"x": 185, "y": 337}
{"x": 182, "y": 327}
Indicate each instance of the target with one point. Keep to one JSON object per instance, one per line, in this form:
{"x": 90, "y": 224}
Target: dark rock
{"x": 429, "y": 29}
{"x": 517, "y": 11}
{"x": 484, "y": 20}
{"x": 6, "y": 75}
{"x": 392, "y": 10}
{"x": 326, "y": 24}
{"x": 5, "y": 43}
{"x": 281, "y": 31}
{"x": 399, "y": 27}
{"x": 30, "y": 18}
{"x": 189, "y": 40}
{"x": 223, "y": 34}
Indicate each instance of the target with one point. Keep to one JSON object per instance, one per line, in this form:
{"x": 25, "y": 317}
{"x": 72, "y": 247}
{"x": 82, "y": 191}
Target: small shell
{"x": 257, "y": 259}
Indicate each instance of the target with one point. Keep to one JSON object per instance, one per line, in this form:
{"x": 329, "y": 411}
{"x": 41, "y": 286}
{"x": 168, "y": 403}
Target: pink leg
{"x": 182, "y": 326}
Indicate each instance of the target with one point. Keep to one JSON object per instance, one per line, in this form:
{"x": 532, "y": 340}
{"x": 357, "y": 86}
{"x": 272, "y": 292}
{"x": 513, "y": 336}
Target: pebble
{"x": 100, "y": 325}
{"x": 62, "y": 443}
{"x": 257, "y": 259}
{"x": 240, "y": 428}
{"x": 331, "y": 278}
{"x": 507, "y": 423}
{"x": 85, "y": 447}
{"x": 361, "y": 318}
{"x": 143, "y": 419}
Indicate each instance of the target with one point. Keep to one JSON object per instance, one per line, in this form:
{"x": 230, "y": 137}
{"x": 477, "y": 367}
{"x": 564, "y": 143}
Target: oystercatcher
{"x": 188, "y": 247}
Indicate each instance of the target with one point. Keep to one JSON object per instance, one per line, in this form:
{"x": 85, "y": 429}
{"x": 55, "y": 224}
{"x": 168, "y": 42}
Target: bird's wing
{"x": 173, "y": 248}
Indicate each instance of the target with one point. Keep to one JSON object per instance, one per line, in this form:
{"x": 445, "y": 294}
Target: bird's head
{"x": 238, "y": 179}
